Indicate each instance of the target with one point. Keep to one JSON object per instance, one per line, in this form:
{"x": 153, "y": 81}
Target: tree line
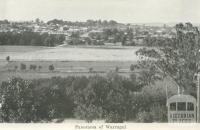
{"x": 108, "y": 35}
{"x": 30, "y": 38}
{"x": 84, "y": 24}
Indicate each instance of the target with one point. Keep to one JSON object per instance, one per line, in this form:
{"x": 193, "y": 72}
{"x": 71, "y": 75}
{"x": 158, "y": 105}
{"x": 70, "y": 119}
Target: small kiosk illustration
{"x": 181, "y": 109}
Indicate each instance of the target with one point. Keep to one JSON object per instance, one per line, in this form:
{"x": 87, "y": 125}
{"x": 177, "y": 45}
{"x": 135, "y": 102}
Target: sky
{"x": 125, "y": 11}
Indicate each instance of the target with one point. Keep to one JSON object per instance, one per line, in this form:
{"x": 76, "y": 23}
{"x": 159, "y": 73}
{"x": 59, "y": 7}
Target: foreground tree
{"x": 178, "y": 57}
{"x": 26, "y": 101}
{"x": 17, "y": 101}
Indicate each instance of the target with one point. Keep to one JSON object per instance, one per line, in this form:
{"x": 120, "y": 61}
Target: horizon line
{"x": 153, "y": 22}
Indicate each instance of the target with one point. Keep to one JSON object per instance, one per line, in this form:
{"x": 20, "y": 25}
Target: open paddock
{"x": 67, "y": 60}
{"x": 72, "y": 66}
{"x": 26, "y": 53}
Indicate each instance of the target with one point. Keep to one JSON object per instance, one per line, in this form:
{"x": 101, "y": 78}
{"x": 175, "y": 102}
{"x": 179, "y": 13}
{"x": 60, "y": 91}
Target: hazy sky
{"x": 127, "y": 11}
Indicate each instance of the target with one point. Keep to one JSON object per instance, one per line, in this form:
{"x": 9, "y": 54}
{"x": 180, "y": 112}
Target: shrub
{"x": 88, "y": 113}
{"x": 16, "y": 67}
{"x": 132, "y": 67}
{"x": 23, "y": 67}
{"x": 39, "y": 67}
{"x": 117, "y": 69}
{"x": 90, "y": 69}
{"x": 114, "y": 117}
{"x": 144, "y": 117}
{"x": 51, "y": 68}
{"x": 113, "y": 98}
{"x": 33, "y": 67}
{"x": 18, "y": 101}
{"x": 158, "y": 113}
{"x": 23, "y": 101}
{"x": 8, "y": 58}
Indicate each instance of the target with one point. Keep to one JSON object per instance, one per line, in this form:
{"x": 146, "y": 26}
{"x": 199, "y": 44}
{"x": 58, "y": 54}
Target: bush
{"x": 39, "y": 67}
{"x": 16, "y": 67}
{"x": 158, "y": 113}
{"x": 90, "y": 69}
{"x": 17, "y": 101}
{"x": 23, "y": 101}
{"x": 88, "y": 113}
{"x": 23, "y": 67}
{"x": 132, "y": 67}
{"x": 33, "y": 67}
{"x": 51, "y": 68}
{"x": 114, "y": 117}
{"x": 117, "y": 69}
{"x": 8, "y": 58}
{"x": 144, "y": 117}
{"x": 52, "y": 99}
{"x": 113, "y": 98}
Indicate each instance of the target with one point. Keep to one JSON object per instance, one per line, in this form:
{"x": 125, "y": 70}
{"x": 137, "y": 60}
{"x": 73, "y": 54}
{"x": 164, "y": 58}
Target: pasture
{"x": 21, "y": 53}
{"x": 66, "y": 61}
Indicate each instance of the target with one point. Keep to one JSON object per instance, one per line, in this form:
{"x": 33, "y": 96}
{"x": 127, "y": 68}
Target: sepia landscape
{"x": 98, "y": 70}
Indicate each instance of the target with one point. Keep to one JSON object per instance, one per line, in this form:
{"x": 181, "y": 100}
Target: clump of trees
{"x": 155, "y": 41}
{"x": 108, "y": 35}
{"x": 33, "y": 67}
{"x": 30, "y": 38}
{"x": 114, "y": 35}
{"x": 22, "y": 101}
{"x": 17, "y": 103}
{"x": 89, "y": 22}
{"x": 75, "y": 39}
{"x": 112, "y": 98}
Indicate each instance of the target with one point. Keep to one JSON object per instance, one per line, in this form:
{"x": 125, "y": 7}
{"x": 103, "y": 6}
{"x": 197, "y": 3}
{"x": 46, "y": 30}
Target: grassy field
{"x": 73, "y": 66}
{"x": 66, "y": 60}
{"x": 21, "y": 49}
{"x": 68, "y": 53}
{"x": 63, "y": 69}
